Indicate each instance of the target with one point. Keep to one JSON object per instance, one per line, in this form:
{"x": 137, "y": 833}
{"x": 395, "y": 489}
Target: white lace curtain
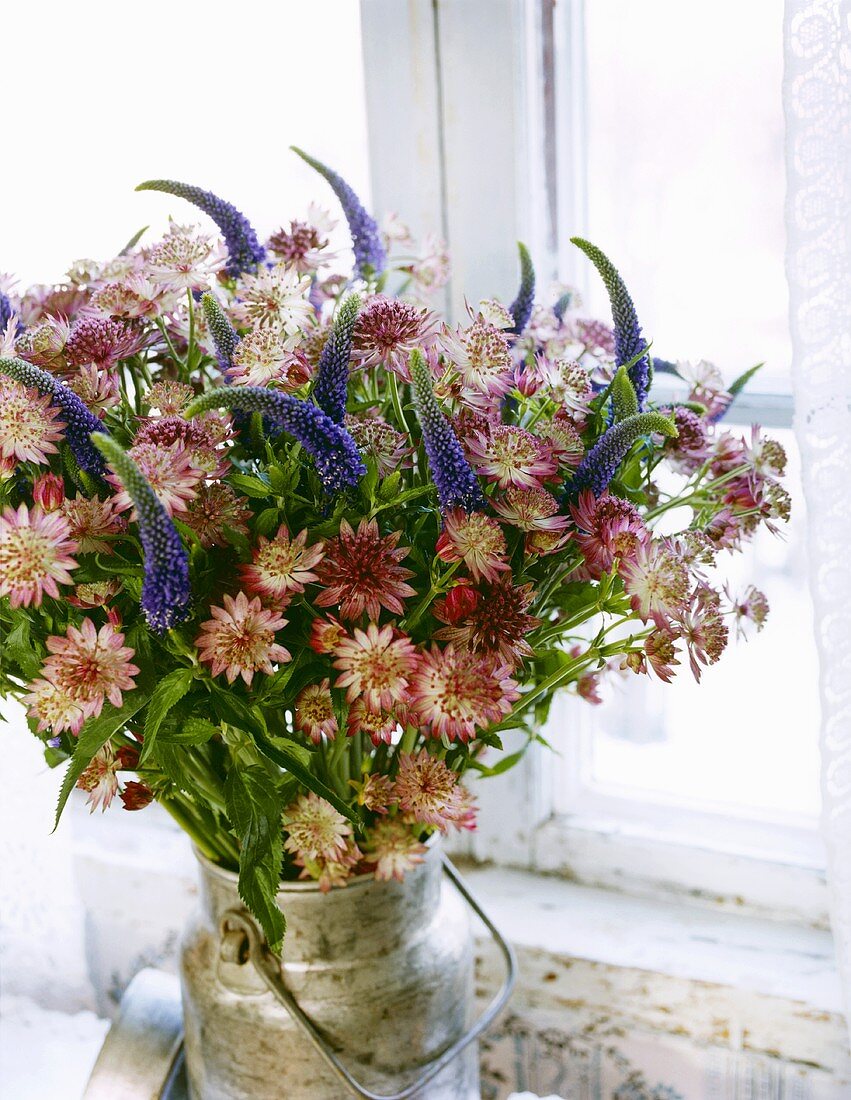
{"x": 817, "y": 94}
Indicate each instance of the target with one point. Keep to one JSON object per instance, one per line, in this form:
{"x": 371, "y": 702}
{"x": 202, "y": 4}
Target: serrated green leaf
{"x": 93, "y": 736}
{"x": 254, "y": 808}
{"x": 192, "y": 731}
{"x": 253, "y": 487}
{"x": 168, "y": 691}
{"x": 278, "y": 480}
{"x": 267, "y": 522}
{"x": 287, "y": 754}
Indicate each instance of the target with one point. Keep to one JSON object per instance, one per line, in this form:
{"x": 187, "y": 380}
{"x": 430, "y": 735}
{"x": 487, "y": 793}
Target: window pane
{"x": 747, "y": 736}
{"x": 212, "y": 96}
{"x": 686, "y": 177}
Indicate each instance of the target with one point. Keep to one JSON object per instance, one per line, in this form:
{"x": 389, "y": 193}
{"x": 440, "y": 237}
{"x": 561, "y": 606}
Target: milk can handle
{"x": 269, "y": 969}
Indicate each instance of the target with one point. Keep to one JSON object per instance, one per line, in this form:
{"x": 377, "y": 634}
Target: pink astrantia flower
{"x": 102, "y": 342}
{"x": 55, "y": 707}
{"x": 325, "y": 634}
{"x": 607, "y": 527}
{"x": 282, "y": 565}
{"x": 531, "y": 509}
{"x": 239, "y": 640}
{"x": 751, "y": 606}
{"x": 100, "y": 779}
{"x": 315, "y": 830}
{"x": 690, "y": 448}
{"x": 35, "y": 554}
{"x": 91, "y": 665}
{"x": 170, "y": 472}
{"x": 330, "y": 873}
{"x": 456, "y": 693}
{"x": 304, "y": 246}
{"x": 562, "y": 438}
{"x": 213, "y": 511}
{"x": 29, "y": 425}
{"x": 428, "y": 793}
{"x": 497, "y": 626}
{"x": 92, "y": 522}
{"x": 656, "y": 581}
{"x": 95, "y": 593}
{"x": 375, "y": 666}
{"x": 475, "y": 539}
{"x": 377, "y": 439}
{"x": 200, "y": 437}
{"x": 169, "y": 397}
{"x": 314, "y": 712}
{"x": 44, "y": 345}
{"x": 275, "y": 298}
{"x": 136, "y": 297}
{"x": 482, "y": 355}
{"x": 379, "y": 726}
{"x": 566, "y": 382}
{"x": 706, "y": 386}
{"x": 387, "y": 331}
{"x": 266, "y": 357}
{"x": 510, "y": 455}
{"x": 48, "y": 492}
{"x": 702, "y": 628}
{"x": 184, "y": 259}
{"x": 393, "y": 848}
{"x": 361, "y": 572}
{"x": 375, "y": 792}
{"x": 96, "y": 388}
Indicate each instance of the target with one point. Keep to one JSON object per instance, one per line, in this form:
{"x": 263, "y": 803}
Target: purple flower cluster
{"x": 521, "y": 308}
{"x": 629, "y": 342}
{"x": 5, "y": 311}
{"x": 166, "y": 595}
{"x": 331, "y": 388}
{"x": 244, "y": 249}
{"x": 225, "y": 337}
{"x": 457, "y": 484}
{"x": 335, "y": 453}
{"x": 79, "y": 421}
{"x": 370, "y": 257}
{"x": 599, "y": 466}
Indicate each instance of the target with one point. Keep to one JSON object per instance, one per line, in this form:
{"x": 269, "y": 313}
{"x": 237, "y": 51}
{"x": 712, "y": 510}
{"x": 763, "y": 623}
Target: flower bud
{"x": 136, "y": 796}
{"x": 461, "y": 601}
{"x": 48, "y": 492}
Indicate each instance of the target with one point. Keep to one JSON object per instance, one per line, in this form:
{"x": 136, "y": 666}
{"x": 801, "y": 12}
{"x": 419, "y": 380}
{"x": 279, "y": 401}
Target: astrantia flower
{"x": 136, "y": 796}
{"x": 169, "y": 397}
{"x": 44, "y": 345}
{"x": 482, "y": 356}
{"x": 597, "y": 336}
{"x": 375, "y": 665}
{"x": 99, "y": 778}
{"x": 510, "y": 455}
{"x": 98, "y": 389}
{"x": 606, "y": 528}
{"x": 656, "y": 581}
{"x": 239, "y": 640}
{"x": 48, "y": 491}
{"x": 475, "y": 539}
{"x": 530, "y": 509}
{"x": 330, "y": 873}
{"x": 55, "y": 707}
{"x": 315, "y": 830}
{"x": 393, "y": 848}
{"x": 304, "y": 245}
{"x": 91, "y": 665}
{"x": 690, "y": 449}
{"x": 662, "y": 654}
{"x": 314, "y": 712}
{"x": 35, "y": 555}
{"x": 95, "y": 593}
{"x": 562, "y": 439}
{"x": 213, "y": 511}
{"x": 102, "y": 341}
{"x": 498, "y": 625}
{"x": 275, "y": 298}
{"x": 325, "y": 634}
{"x": 379, "y": 726}
{"x": 168, "y": 470}
{"x": 428, "y": 793}
{"x": 29, "y": 424}
{"x": 706, "y": 386}
{"x": 456, "y": 693}
{"x": 379, "y": 440}
{"x": 387, "y": 331}
{"x": 751, "y": 606}
{"x": 266, "y": 357}
{"x": 566, "y": 382}
{"x": 361, "y": 572}
{"x": 375, "y": 792}
{"x": 136, "y": 297}
{"x": 702, "y": 628}
{"x": 92, "y": 522}
{"x": 201, "y": 439}
{"x": 282, "y": 565}
{"x": 184, "y": 260}
{"x": 766, "y": 455}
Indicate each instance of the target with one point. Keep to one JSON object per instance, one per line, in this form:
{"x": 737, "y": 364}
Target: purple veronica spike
{"x": 166, "y": 596}
{"x": 370, "y": 257}
{"x": 457, "y": 484}
{"x": 5, "y": 311}
{"x": 331, "y": 388}
{"x": 600, "y": 464}
{"x": 244, "y": 250}
{"x": 79, "y": 421}
{"x": 335, "y": 453}
{"x": 521, "y": 308}
{"x": 629, "y": 342}
{"x": 224, "y": 334}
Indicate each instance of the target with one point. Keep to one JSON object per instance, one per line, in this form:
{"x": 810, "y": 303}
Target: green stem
{"x": 393, "y": 386}
{"x": 436, "y": 590}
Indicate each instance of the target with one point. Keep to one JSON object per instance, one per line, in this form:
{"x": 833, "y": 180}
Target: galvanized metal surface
{"x": 385, "y": 969}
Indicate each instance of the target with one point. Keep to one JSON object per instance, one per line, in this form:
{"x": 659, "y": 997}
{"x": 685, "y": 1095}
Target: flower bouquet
{"x": 364, "y": 542}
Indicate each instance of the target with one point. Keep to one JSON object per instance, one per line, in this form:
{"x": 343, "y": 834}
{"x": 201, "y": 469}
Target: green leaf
{"x": 288, "y": 754}
{"x": 168, "y": 691}
{"x": 254, "y": 808}
{"x": 278, "y": 480}
{"x": 736, "y": 387}
{"x": 254, "y": 487}
{"x": 93, "y": 736}
{"x": 266, "y": 522}
{"x": 192, "y": 731}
